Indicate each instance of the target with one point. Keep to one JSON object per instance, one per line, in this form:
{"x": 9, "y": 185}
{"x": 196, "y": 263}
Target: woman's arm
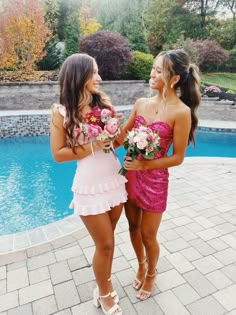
{"x": 181, "y": 131}
{"x": 60, "y": 151}
{"x": 127, "y": 126}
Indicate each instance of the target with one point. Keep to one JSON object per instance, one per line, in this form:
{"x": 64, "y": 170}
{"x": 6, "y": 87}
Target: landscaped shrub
{"x": 212, "y": 90}
{"x": 230, "y": 64}
{"x": 188, "y": 45}
{"x": 210, "y": 54}
{"x": 140, "y": 66}
{"x": 215, "y": 91}
{"x": 111, "y": 51}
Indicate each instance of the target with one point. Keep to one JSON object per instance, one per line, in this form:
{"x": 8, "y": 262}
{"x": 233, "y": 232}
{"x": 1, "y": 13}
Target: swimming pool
{"x": 36, "y": 191}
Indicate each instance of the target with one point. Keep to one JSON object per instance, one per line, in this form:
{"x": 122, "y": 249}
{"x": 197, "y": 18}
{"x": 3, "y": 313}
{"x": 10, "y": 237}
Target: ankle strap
{"x": 152, "y": 275}
{"x": 104, "y": 296}
{"x": 142, "y": 262}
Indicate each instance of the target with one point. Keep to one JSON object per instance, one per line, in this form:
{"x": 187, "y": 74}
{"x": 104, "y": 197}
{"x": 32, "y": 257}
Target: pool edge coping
{"x": 42, "y": 248}
{"x": 40, "y": 235}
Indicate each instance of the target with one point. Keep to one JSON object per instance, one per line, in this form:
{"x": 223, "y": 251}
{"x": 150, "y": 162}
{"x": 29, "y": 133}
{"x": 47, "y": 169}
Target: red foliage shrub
{"x": 210, "y": 53}
{"x": 111, "y": 51}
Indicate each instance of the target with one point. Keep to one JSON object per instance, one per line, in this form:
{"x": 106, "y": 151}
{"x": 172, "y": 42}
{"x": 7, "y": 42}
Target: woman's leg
{"x": 149, "y": 228}
{"x": 114, "y": 215}
{"x": 100, "y": 229}
{"x": 134, "y": 216}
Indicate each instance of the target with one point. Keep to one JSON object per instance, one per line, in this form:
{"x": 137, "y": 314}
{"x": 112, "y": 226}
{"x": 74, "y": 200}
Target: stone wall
{"x": 41, "y": 95}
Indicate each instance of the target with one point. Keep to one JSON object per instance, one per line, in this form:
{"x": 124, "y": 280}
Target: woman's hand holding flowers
{"x": 100, "y": 127}
{"x": 139, "y": 142}
{"x": 101, "y": 144}
{"x": 130, "y": 165}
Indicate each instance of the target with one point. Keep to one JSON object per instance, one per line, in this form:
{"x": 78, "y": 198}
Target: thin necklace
{"x": 160, "y": 110}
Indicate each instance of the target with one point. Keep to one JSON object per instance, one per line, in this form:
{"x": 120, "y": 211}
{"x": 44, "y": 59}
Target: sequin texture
{"x": 148, "y": 189}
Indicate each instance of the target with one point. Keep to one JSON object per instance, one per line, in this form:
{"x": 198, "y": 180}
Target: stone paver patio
{"x": 196, "y": 270}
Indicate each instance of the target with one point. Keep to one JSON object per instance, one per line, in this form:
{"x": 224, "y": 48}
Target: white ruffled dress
{"x": 97, "y": 186}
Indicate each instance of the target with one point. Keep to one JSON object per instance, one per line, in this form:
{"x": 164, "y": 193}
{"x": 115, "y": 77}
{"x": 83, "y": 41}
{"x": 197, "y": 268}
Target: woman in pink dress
{"x": 98, "y": 190}
{"x": 170, "y": 113}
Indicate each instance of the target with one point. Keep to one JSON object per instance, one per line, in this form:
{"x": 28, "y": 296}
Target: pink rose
{"x": 142, "y": 144}
{"x": 149, "y": 149}
{"x": 150, "y": 138}
{"x": 119, "y": 115}
{"x": 93, "y": 130}
{"x": 106, "y": 114}
{"x": 131, "y": 140}
{"x": 111, "y": 126}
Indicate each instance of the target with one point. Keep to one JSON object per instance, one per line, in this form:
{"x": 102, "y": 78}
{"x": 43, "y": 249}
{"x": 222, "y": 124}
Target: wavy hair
{"x": 74, "y": 75}
{"x": 177, "y": 62}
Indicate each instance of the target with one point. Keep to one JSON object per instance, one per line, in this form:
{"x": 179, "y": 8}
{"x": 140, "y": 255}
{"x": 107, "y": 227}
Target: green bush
{"x": 230, "y": 64}
{"x": 140, "y": 66}
{"x": 53, "y": 58}
{"x": 188, "y": 45}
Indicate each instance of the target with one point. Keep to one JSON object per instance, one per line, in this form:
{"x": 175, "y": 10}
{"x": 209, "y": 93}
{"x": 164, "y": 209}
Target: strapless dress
{"x": 148, "y": 189}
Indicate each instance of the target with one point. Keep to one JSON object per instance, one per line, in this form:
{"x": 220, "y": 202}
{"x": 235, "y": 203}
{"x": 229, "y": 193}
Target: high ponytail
{"x": 190, "y": 95}
{"x": 178, "y": 62}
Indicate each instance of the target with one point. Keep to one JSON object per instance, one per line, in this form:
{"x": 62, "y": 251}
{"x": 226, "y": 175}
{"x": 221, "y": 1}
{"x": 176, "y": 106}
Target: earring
{"x": 172, "y": 85}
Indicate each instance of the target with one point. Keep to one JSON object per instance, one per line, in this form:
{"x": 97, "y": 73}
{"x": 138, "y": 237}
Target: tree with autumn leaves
{"x": 88, "y": 24}
{"x": 23, "y": 34}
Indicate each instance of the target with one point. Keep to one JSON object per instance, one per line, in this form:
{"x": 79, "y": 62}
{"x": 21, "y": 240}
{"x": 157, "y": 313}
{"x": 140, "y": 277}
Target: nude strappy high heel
{"x": 144, "y": 294}
{"x": 114, "y": 295}
{"x": 138, "y": 283}
{"x": 114, "y": 310}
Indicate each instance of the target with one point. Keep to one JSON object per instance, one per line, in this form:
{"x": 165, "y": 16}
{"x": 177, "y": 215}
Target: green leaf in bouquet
{"x": 148, "y": 155}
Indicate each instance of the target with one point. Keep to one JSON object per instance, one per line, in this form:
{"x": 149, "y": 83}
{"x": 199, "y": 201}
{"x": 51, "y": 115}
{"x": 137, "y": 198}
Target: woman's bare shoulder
{"x": 182, "y": 112}
{"x": 142, "y": 101}
{"x": 58, "y": 109}
{"x": 184, "y": 109}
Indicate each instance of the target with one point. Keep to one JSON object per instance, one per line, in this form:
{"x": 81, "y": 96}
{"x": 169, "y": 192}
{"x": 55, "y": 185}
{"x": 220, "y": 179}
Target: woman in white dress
{"x": 98, "y": 190}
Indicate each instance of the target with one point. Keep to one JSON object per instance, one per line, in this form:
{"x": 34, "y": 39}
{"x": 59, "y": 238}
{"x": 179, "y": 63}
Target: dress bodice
{"x": 78, "y": 137}
{"x": 164, "y": 131}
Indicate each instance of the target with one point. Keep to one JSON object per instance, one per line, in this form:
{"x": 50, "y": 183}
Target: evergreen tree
{"x": 124, "y": 17}
{"x": 72, "y": 34}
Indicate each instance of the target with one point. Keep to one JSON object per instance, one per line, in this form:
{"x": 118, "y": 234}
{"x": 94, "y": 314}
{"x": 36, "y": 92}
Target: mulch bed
{"x": 33, "y": 76}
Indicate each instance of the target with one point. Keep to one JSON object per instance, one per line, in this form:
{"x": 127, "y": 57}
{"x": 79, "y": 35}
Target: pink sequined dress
{"x": 97, "y": 186}
{"x": 148, "y": 189}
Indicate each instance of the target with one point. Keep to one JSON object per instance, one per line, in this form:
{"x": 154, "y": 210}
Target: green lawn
{"x": 224, "y": 80}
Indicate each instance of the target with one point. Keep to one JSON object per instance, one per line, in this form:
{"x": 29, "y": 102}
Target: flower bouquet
{"x": 102, "y": 124}
{"x": 141, "y": 141}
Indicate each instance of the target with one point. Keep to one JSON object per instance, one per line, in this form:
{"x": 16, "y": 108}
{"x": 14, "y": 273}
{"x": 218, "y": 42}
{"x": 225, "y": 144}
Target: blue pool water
{"x": 35, "y": 190}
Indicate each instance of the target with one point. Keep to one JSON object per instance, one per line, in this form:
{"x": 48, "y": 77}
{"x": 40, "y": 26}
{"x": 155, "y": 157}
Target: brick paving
{"x": 196, "y": 269}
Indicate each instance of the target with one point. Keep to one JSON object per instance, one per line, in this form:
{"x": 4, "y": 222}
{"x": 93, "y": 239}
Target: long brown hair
{"x": 178, "y": 62}
{"x": 75, "y": 72}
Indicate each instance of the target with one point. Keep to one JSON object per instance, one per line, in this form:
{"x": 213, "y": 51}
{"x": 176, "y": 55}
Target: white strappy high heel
{"x": 138, "y": 283}
{"x": 144, "y": 294}
{"x": 114, "y": 295}
{"x": 114, "y": 310}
